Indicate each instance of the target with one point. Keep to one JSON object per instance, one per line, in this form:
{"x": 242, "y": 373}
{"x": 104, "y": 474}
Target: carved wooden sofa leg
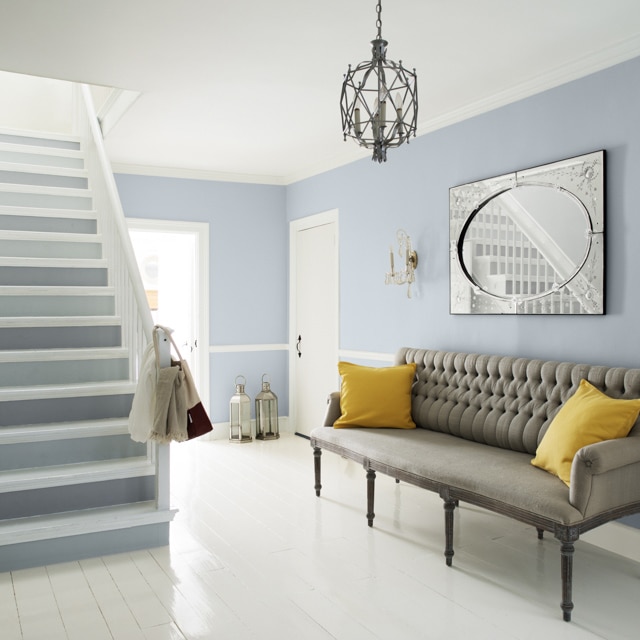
{"x": 540, "y": 533}
{"x": 371, "y": 487}
{"x": 449, "y": 508}
{"x": 567, "y": 536}
{"x": 317, "y": 459}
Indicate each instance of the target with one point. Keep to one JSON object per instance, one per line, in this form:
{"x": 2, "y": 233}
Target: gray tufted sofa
{"x": 480, "y": 419}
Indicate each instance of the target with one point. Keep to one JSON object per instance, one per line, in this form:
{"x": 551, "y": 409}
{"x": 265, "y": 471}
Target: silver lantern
{"x": 267, "y": 413}
{"x": 240, "y": 414}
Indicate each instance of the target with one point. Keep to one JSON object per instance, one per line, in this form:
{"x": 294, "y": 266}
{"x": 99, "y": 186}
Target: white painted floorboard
{"x": 255, "y": 555}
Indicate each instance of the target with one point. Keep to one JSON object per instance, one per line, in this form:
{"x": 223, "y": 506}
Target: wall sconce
{"x": 410, "y": 259}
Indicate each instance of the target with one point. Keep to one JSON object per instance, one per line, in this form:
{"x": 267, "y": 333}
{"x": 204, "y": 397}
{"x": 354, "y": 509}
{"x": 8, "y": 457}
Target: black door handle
{"x": 298, "y": 346}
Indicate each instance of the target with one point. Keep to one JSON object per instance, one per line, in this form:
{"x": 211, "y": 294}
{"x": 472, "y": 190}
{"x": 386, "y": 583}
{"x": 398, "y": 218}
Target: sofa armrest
{"x": 333, "y": 409}
{"x": 606, "y": 475}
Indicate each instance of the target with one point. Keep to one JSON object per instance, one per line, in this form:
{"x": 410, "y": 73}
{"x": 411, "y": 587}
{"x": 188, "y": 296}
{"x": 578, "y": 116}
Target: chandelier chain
{"x": 379, "y": 19}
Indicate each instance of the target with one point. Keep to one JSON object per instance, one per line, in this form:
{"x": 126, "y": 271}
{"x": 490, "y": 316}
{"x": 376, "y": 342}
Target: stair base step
{"x": 35, "y": 542}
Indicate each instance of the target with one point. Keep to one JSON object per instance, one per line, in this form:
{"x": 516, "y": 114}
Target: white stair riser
{"x": 17, "y": 412}
{"x": 43, "y": 305}
{"x": 69, "y": 452}
{"x": 21, "y": 374}
{"x": 49, "y": 248}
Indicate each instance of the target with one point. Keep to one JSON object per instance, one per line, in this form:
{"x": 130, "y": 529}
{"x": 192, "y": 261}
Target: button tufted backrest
{"x": 502, "y": 401}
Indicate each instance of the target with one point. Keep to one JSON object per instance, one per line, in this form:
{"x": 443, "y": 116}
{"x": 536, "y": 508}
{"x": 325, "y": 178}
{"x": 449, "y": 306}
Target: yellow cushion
{"x": 589, "y": 416}
{"x": 376, "y": 396}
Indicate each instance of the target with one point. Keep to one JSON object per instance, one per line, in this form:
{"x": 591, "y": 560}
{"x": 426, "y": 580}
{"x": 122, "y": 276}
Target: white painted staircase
{"x": 72, "y": 482}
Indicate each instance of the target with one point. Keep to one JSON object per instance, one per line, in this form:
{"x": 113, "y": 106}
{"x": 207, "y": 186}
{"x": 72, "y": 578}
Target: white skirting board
{"x": 221, "y": 429}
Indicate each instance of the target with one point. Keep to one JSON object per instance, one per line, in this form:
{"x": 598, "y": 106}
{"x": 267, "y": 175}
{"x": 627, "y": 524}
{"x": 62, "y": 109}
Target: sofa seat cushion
{"x": 491, "y": 472}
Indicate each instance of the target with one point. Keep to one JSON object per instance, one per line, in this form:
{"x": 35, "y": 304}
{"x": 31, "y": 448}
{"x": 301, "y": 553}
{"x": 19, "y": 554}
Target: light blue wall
{"x": 412, "y": 191}
{"x": 249, "y": 237}
{"x": 248, "y": 262}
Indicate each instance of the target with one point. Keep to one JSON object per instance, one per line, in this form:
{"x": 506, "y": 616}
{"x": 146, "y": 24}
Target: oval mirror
{"x": 525, "y": 242}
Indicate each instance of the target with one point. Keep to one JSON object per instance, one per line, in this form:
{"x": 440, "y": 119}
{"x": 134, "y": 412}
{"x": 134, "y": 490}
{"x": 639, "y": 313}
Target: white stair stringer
{"x": 72, "y": 482}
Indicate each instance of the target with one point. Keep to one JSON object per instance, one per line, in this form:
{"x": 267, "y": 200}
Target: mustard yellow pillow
{"x": 587, "y": 417}
{"x": 376, "y": 396}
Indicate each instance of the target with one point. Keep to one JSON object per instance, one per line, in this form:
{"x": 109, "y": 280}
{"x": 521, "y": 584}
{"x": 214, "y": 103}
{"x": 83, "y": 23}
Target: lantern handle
{"x": 268, "y": 377}
{"x": 241, "y": 376}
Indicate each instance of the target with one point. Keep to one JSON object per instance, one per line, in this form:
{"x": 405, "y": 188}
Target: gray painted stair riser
{"x": 23, "y": 504}
{"x": 44, "y": 410}
{"x": 36, "y": 141}
{"x": 53, "y": 276}
{"x": 41, "y": 552}
{"x": 42, "y": 179}
{"x": 49, "y": 248}
{"x": 73, "y": 451}
{"x": 42, "y": 305}
{"x": 45, "y": 200}
{"x": 59, "y": 337}
{"x": 45, "y": 224}
{"x": 22, "y": 374}
{"x": 41, "y": 159}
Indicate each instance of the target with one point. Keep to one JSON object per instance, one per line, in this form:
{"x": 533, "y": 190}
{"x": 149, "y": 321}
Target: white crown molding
{"x": 618, "y": 53}
{"x": 195, "y": 174}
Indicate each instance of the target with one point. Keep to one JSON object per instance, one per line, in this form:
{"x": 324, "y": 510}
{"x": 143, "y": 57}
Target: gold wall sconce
{"x": 409, "y": 258}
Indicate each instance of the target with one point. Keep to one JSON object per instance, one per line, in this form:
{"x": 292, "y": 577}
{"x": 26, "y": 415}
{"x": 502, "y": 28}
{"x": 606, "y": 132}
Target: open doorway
{"x": 173, "y": 258}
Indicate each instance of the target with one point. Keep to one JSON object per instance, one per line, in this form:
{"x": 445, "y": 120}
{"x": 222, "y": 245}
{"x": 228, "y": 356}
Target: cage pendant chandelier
{"x": 379, "y": 101}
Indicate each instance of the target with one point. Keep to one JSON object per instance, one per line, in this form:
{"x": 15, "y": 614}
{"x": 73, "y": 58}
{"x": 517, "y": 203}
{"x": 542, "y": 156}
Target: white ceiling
{"x": 249, "y": 89}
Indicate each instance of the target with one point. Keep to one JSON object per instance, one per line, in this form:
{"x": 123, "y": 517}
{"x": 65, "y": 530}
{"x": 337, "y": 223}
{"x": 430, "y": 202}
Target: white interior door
{"x": 173, "y": 262}
{"x": 314, "y": 318}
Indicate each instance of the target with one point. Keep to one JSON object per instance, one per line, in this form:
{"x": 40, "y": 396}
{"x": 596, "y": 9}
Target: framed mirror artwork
{"x": 530, "y": 242}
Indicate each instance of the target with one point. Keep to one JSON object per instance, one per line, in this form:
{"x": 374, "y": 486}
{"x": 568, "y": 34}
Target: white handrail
{"x": 130, "y": 295}
{"x": 124, "y": 276}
